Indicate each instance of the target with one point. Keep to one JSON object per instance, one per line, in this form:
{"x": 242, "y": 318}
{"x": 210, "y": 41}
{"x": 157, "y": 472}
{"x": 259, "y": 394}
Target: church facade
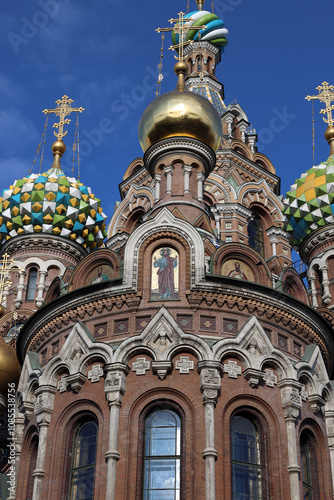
{"x": 176, "y": 353}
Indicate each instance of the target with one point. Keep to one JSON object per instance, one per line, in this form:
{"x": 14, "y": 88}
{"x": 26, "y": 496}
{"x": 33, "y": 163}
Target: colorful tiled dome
{"x": 214, "y": 31}
{"x": 310, "y": 203}
{"x": 52, "y": 203}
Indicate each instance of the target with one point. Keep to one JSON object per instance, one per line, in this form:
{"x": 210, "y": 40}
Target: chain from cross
{"x": 181, "y": 28}
{"x": 5, "y": 268}
{"x": 326, "y": 95}
{"x": 62, "y": 110}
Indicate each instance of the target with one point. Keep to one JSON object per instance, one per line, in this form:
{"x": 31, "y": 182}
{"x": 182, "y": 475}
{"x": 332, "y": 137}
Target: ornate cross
{"x": 326, "y": 95}
{"x": 6, "y": 268}
{"x": 62, "y": 110}
{"x": 180, "y": 28}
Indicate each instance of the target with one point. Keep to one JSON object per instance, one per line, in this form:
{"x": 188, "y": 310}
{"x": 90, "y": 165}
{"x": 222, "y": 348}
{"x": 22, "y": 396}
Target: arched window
{"x": 31, "y": 288}
{"x": 82, "y": 472}
{"x": 255, "y": 234}
{"x": 32, "y": 466}
{"x": 306, "y": 471}
{"x": 162, "y": 456}
{"x": 246, "y": 459}
{"x": 309, "y": 465}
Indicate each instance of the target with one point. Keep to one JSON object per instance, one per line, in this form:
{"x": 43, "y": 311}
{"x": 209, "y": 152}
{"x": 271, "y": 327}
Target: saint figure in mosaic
{"x": 165, "y": 274}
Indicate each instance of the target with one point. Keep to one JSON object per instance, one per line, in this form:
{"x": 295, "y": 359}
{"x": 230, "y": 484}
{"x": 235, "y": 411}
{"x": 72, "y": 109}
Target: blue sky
{"x": 103, "y": 54}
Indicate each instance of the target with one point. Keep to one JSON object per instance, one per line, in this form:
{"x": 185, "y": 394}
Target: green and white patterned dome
{"x": 310, "y": 202}
{"x": 52, "y": 203}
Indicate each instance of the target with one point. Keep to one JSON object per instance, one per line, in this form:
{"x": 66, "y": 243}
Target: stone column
{"x": 114, "y": 388}
{"x": 291, "y": 402}
{"x": 157, "y": 178}
{"x": 327, "y": 297}
{"x": 20, "y": 288}
{"x": 329, "y": 416}
{"x": 169, "y": 174}
{"x": 313, "y": 290}
{"x": 200, "y": 181}
{"x": 43, "y": 410}
{"x": 186, "y": 176}
{"x": 210, "y": 387}
{"x": 217, "y": 221}
{"x": 229, "y": 121}
{"x": 41, "y": 288}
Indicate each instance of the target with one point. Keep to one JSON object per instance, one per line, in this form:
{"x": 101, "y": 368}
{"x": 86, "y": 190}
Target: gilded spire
{"x": 200, "y": 4}
{"x": 62, "y": 110}
{"x": 326, "y": 95}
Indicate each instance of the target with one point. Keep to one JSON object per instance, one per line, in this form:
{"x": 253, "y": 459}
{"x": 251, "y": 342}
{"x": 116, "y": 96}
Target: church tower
{"x": 184, "y": 359}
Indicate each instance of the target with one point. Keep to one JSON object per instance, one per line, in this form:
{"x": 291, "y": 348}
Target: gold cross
{"x": 327, "y": 97}
{"x": 62, "y": 110}
{"x": 180, "y": 29}
{"x": 5, "y": 267}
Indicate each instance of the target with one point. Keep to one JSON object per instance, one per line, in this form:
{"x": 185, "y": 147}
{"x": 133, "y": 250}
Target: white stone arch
{"x": 254, "y": 347}
{"x": 135, "y": 193}
{"x": 163, "y": 325}
{"x": 164, "y": 221}
{"x": 216, "y": 181}
{"x": 78, "y": 351}
{"x": 257, "y": 188}
{"x": 54, "y": 263}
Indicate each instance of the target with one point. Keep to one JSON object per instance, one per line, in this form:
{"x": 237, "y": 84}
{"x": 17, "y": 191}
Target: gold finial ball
{"x": 9, "y": 367}
{"x": 180, "y": 67}
{"x": 58, "y": 147}
{"x": 329, "y": 133}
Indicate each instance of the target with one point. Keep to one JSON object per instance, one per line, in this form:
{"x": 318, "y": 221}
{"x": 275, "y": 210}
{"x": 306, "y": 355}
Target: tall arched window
{"x": 246, "y": 459}
{"x": 32, "y": 466}
{"x": 82, "y": 472}
{"x": 255, "y": 234}
{"x": 31, "y": 288}
{"x": 162, "y": 456}
{"x": 306, "y": 471}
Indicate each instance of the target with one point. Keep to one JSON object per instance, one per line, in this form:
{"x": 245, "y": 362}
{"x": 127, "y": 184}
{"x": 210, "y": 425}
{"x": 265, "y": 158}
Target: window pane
{"x": 162, "y": 456}
{"x": 32, "y": 284}
{"x": 246, "y": 463}
{"x": 163, "y": 441}
{"x": 83, "y": 462}
{"x": 246, "y": 482}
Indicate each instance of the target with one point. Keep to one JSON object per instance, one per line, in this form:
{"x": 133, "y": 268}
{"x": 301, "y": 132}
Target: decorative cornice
{"x": 231, "y": 208}
{"x": 42, "y": 242}
{"x": 317, "y": 237}
{"x": 196, "y": 81}
{"x": 180, "y": 145}
{"x": 117, "y": 240}
{"x": 198, "y": 47}
{"x": 278, "y": 232}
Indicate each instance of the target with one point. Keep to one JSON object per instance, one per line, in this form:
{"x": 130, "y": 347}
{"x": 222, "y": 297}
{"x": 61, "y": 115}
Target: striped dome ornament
{"x": 214, "y": 31}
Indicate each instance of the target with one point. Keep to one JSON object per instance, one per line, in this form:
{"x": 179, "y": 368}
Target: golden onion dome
{"x": 180, "y": 114}
{"x": 9, "y": 367}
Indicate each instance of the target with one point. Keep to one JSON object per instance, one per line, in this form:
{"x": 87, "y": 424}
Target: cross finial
{"x": 326, "y": 95}
{"x": 62, "y": 110}
{"x": 180, "y": 28}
